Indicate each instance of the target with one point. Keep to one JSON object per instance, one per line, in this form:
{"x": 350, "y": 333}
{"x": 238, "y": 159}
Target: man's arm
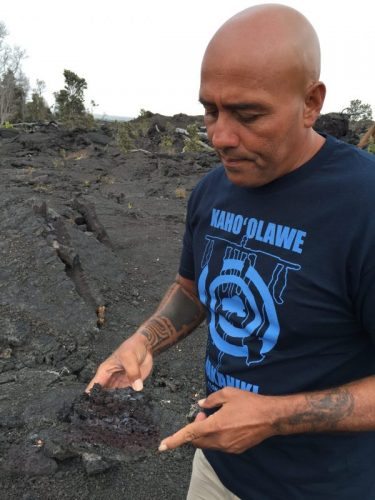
{"x": 245, "y": 419}
{"x": 350, "y": 407}
{"x": 178, "y": 314}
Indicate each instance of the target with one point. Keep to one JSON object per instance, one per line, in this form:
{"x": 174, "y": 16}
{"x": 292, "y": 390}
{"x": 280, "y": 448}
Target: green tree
{"x": 13, "y": 83}
{"x": 358, "y": 110}
{"x": 13, "y": 92}
{"x": 70, "y": 105}
{"x": 21, "y": 90}
{"x": 145, "y": 114}
{"x": 37, "y": 109}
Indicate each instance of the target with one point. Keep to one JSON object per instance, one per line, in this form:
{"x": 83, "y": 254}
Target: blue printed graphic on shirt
{"x": 243, "y": 296}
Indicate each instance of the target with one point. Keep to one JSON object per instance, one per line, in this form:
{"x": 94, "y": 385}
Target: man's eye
{"x": 210, "y": 112}
{"x": 248, "y": 118}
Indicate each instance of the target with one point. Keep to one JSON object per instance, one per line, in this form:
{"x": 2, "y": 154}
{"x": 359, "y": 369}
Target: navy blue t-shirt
{"x": 287, "y": 274}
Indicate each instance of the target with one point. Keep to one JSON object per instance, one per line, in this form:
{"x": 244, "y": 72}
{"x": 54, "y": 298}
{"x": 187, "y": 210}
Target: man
{"x": 279, "y": 254}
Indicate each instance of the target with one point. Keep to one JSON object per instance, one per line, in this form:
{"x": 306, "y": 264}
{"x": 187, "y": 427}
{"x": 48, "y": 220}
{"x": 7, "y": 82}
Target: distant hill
{"x": 113, "y": 118}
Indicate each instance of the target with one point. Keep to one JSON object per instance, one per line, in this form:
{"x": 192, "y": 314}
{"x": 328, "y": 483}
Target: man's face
{"x": 254, "y": 119}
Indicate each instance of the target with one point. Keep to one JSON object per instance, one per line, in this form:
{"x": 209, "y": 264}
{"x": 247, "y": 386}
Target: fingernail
{"x": 137, "y": 385}
{"x": 163, "y": 447}
{"x": 201, "y": 401}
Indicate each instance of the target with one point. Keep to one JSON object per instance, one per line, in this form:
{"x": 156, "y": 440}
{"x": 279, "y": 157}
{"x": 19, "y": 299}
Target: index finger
{"x": 185, "y": 435}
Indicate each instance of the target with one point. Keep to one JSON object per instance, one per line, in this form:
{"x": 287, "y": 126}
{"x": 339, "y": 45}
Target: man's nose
{"x": 223, "y": 133}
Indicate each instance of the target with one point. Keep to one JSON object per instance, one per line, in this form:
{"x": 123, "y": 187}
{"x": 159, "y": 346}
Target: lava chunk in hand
{"x": 117, "y": 418}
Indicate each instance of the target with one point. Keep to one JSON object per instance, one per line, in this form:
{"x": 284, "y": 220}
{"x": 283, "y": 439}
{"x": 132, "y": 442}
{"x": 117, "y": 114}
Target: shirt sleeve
{"x": 187, "y": 268}
{"x": 365, "y": 303}
{"x": 362, "y": 265}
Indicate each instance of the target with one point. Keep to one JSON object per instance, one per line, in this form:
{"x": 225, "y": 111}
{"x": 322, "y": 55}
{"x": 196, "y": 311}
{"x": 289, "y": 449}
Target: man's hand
{"x": 177, "y": 315}
{"x": 128, "y": 366}
{"x": 246, "y": 419}
{"x": 243, "y": 420}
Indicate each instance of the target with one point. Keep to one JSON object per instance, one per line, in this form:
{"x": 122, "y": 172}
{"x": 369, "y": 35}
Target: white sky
{"x": 146, "y": 54}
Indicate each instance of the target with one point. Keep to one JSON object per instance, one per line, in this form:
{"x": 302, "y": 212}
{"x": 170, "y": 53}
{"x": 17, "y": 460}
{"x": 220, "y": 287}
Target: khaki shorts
{"x": 204, "y": 483}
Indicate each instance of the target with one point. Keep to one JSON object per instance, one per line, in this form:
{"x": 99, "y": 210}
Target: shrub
{"x": 180, "y": 193}
{"x": 193, "y": 143}
{"x": 125, "y": 137}
{"x": 166, "y": 144}
{"x": 371, "y": 146}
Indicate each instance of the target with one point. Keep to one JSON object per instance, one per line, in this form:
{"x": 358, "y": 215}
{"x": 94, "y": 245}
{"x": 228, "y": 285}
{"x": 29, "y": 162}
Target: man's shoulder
{"x": 215, "y": 176}
{"x": 211, "y": 187}
{"x": 352, "y": 177}
{"x": 349, "y": 168}
{"x": 351, "y": 155}
{"x": 217, "y": 173}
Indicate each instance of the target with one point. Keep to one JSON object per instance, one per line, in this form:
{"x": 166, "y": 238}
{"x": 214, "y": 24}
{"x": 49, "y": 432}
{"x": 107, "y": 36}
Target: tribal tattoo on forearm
{"x": 177, "y": 315}
{"x": 322, "y": 411}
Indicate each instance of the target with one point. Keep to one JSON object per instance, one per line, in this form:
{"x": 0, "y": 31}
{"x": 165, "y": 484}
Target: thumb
{"x": 213, "y": 400}
{"x": 200, "y": 416}
{"x": 133, "y": 373}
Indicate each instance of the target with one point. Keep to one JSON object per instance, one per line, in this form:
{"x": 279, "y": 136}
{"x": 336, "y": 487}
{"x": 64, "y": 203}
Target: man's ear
{"x": 314, "y": 100}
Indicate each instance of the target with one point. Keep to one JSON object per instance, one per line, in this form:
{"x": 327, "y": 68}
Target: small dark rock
{"x": 15, "y": 331}
{"x": 8, "y": 133}
{"x": 28, "y": 496}
{"x": 58, "y": 450}
{"x": 7, "y": 377}
{"x": 30, "y": 461}
{"x": 46, "y": 344}
{"x": 335, "y": 124}
{"x": 76, "y": 362}
{"x": 80, "y": 221}
{"x": 95, "y": 464}
{"x": 87, "y": 373}
{"x": 98, "y": 138}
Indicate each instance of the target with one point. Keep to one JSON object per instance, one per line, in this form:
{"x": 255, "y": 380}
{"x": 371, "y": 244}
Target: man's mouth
{"x": 234, "y": 161}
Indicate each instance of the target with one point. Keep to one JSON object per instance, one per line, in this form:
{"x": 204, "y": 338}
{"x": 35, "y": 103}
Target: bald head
{"x": 261, "y": 93}
{"x": 270, "y": 36}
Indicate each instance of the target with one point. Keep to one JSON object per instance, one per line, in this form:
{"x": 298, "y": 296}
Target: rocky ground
{"x": 90, "y": 236}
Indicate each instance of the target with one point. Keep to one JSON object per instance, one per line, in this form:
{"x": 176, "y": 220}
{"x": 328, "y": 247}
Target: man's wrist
{"x": 157, "y": 333}
{"x": 140, "y": 335}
